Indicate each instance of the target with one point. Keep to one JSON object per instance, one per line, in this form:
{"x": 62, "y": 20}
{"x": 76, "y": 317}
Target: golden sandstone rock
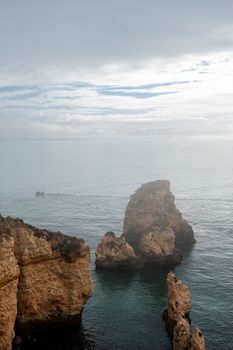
{"x": 45, "y": 279}
{"x": 176, "y": 317}
{"x": 114, "y": 252}
{"x": 154, "y": 233}
{"x": 152, "y": 209}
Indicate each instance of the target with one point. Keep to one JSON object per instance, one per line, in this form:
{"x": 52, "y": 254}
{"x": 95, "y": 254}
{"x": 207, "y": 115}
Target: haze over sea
{"x": 87, "y": 185}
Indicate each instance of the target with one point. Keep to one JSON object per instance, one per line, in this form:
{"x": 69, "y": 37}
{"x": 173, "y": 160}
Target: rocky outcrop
{"x": 152, "y": 209}
{"x": 114, "y": 252}
{"x": 176, "y": 317}
{"x": 9, "y": 276}
{"x": 45, "y": 279}
{"x": 154, "y": 229}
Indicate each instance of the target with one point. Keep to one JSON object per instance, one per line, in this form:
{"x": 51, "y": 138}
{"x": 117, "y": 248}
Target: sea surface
{"x": 87, "y": 185}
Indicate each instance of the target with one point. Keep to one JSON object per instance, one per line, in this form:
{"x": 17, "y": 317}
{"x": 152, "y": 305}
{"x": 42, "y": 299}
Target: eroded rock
{"x": 45, "y": 279}
{"x": 9, "y": 276}
{"x": 176, "y": 317}
{"x": 154, "y": 229}
{"x": 115, "y": 252}
{"x": 151, "y": 209}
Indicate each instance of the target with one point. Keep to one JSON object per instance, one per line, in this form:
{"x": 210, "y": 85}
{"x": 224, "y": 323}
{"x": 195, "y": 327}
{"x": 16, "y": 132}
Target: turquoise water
{"x": 87, "y": 185}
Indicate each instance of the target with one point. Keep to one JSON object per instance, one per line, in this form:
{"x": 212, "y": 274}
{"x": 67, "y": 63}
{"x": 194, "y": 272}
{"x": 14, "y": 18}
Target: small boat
{"x": 40, "y": 194}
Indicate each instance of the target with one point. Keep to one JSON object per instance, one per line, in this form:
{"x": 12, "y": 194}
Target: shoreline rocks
{"x": 45, "y": 279}
{"x": 154, "y": 232}
{"x": 177, "y": 319}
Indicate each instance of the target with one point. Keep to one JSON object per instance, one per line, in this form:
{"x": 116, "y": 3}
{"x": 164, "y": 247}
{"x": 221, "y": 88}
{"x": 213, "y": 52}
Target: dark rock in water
{"x": 17, "y": 342}
{"x": 176, "y": 317}
{"x": 66, "y": 337}
{"x": 45, "y": 279}
{"x": 154, "y": 233}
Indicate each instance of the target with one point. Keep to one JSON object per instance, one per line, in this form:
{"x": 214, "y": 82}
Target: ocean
{"x": 87, "y": 184}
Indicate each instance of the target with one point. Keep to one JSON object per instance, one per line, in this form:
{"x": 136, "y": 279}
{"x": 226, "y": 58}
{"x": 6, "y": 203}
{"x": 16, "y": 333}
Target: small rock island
{"x": 177, "y": 320}
{"x": 45, "y": 279}
{"x": 154, "y": 232}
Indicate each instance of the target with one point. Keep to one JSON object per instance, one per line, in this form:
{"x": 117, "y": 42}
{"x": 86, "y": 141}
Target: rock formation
{"x": 152, "y": 209}
{"x": 45, "y": 279}
{"x": 176, "y": 317}
{"x": 115, "y": 252}
{"x": 154, "y": 229}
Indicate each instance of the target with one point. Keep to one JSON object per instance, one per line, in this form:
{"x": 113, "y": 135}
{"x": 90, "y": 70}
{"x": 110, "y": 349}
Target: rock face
{"x": 9, "y": 275}
{"x": 114, "y": 252}
{"x": 45, "y": 279}
{"x": 154, "y": 229}
{"x": 177, "y": 319}
{"x": 152, "y": 209}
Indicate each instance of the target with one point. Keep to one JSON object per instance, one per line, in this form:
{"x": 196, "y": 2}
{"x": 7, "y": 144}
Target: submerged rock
{"x": 45, "y": 279}
{"x": 176, "y": 317}
{"x": 154, "y": 229}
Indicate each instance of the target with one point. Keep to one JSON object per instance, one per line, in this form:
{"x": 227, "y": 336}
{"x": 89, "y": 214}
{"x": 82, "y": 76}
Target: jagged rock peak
{"x": 177, "y": 319}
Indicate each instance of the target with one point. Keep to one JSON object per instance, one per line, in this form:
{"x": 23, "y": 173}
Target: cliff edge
{"x": 45, "y": 279}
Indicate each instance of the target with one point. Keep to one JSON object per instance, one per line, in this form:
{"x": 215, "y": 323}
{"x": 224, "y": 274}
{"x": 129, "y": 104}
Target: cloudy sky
{"x": 107, "y": 68}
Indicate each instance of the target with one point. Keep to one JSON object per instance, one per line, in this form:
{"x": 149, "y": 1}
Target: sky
{"x": 73, "y": 69}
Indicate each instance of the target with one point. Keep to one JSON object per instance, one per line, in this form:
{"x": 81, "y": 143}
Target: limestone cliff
{"x": 45, "y": 279}
{"x": 154, "y": 230}
{"x": 177, "y": 319}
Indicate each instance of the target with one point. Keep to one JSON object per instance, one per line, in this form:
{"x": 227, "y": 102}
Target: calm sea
{"x": 87, "y": 185}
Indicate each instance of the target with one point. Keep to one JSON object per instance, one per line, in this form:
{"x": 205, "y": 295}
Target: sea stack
{"x": 177, "y": 320}
{"x": 45, "y": 279}
{"x": 154, "y": 231}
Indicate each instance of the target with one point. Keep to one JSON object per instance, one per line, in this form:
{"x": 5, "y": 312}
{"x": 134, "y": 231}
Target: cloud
{"x": 82, "y": 33}
{"x": 115, "y": 67}
{"x": 172, "y": 97}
